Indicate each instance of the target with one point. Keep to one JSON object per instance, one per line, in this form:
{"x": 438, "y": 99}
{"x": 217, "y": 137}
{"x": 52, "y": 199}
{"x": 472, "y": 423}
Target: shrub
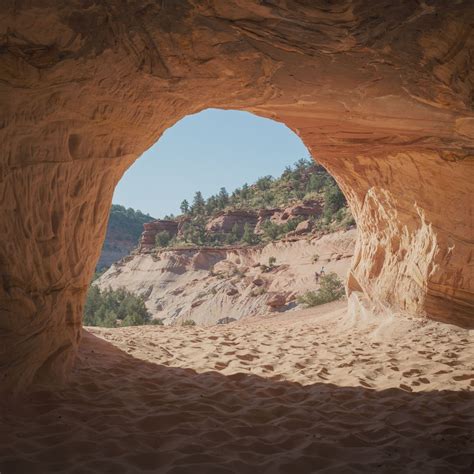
{"x": 271, "y": 261}
{"x": 108, "y": 307}
{"x": 249, "y": 236}
{"x": 271, "y": 230}
{"x": 258, "y": 291}
{"x": 188, "y": 322}
{"x": 315, "y": 258}
{"x": 333, "y": 201}
{"x": 162, "y": 239}
{"x": 157, "y": 322}
{"x": 331, "y": 289}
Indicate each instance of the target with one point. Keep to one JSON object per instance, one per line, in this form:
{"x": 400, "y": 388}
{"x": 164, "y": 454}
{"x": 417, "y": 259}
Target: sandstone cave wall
{"x": 380, "y": 92}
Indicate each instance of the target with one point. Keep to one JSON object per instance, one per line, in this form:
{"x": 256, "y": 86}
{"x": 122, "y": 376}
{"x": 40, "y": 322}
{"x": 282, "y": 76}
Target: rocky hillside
{"x": 210, "y": 285}
{"x": 123, "y": 233}
{"x": 305, "y": 199}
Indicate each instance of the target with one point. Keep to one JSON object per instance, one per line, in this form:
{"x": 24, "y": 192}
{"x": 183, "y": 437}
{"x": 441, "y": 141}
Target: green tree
{"x": 271, "y": 230}
{"x": 184, "y": 206}
{"x": 134, "y": 319}
{"x": 245, "y": 192}
{"x": 211, "y": 205}
{"x": 333, "y": 200}
{"x": 162, "y": 239}
{"x": 223, "y": 198}
{"x": 316, "y": 182}
{"x": 264, "y": 183}
{"x": 249, "y": 236}
{"x": 109, "y": 319}
{"x": 104, "y": 308}
{"x": 331, "y": 289}
{"x": 199, "y": 205}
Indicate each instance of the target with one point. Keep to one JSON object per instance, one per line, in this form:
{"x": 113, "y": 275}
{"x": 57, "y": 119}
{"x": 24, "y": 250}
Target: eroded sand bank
{"x": 309, "y": 391}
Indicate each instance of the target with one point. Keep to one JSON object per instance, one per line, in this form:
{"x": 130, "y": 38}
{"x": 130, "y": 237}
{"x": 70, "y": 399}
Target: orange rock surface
{"x": 380, "y": 93}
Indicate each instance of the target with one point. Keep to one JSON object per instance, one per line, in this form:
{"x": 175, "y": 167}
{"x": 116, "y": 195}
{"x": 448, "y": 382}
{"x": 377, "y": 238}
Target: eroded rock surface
{"x": 208, "y": 284}
{"x": 380, "y": 92}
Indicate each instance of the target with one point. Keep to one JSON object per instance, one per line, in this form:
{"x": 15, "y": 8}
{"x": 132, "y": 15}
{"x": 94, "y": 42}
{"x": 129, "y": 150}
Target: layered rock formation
{"x": 305, "y": 210}
{"x": 380, "y": 92}
{"x": 226, "y": 221}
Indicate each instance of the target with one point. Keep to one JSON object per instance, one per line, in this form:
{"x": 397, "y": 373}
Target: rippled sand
{"x": 303, "y": 392}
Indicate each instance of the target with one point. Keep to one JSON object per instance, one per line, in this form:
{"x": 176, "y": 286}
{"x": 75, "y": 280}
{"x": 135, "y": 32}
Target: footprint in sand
{"x": 247, "y": 357}
{"x": 460, "y": 378}
{"x": 221, "y": 365}
{"x": 411, "y": 373}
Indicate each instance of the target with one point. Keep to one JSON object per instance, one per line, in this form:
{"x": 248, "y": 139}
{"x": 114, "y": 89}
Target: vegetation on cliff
{"x": 126, "y": 224}
{"x": 305, "y": 181}
{"x": 123, "y": 233}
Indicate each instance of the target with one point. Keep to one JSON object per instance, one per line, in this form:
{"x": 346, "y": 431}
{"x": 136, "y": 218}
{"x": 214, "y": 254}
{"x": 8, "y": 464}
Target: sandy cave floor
{"x": 301, "y": 392}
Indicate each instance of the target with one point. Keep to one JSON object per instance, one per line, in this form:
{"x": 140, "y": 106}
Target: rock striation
{"x": 380, "y": 93}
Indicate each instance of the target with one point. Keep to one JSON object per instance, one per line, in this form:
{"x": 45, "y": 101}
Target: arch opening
{"x": 243, "y": 226}
{"x": 82, "y": 99}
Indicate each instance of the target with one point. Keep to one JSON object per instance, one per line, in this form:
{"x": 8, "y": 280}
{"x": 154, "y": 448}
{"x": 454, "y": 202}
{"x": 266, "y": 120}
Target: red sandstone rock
{"x": 232, "y": 291}
{"x": 276, "y": 301}
{"x": 303, "y": 228}
{"x": 225, "y": 221}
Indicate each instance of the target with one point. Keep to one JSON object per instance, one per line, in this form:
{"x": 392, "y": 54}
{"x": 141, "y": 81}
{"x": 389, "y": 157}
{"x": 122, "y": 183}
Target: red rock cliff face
{"x": 380, "y": 92}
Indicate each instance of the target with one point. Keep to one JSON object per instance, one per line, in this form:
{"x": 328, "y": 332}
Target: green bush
{"x": 111, "y": 308}
{"x": 331, "y": 289}
{"x": 188, "y": 322}
{"x": 162, "y": 239}
{"x": 249, "y": 236}
{"x": 271, "y": 230}
{"x": 333, "y": 201}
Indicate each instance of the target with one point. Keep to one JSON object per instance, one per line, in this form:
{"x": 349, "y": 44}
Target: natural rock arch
{"x": 380, "y": 92}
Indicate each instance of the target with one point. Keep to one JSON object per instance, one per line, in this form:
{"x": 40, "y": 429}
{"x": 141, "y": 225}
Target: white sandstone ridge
{"x": 212, "y": 285}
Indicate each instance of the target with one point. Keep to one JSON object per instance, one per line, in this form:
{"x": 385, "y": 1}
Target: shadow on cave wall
{"x": 122, "y": 414}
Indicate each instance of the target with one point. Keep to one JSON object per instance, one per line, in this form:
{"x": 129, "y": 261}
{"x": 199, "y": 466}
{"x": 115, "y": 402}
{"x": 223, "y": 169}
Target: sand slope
{"x": 303, "y": 392}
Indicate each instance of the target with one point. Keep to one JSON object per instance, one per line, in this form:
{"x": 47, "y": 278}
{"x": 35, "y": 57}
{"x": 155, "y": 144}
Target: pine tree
{"x": 199, "y": 204}
{"x": 223, "y": 198}
{"x": 184, "y": 206}
{"x": 249, "y": 236}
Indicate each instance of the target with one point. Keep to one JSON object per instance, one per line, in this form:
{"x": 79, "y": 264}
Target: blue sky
{"x": 204, "y": 152}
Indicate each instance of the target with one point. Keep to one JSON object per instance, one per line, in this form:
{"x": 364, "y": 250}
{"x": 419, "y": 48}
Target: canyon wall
{"x": 380, "y": 92}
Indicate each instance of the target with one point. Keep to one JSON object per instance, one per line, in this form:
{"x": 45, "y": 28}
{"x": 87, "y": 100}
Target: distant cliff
{"x": 123, "y": 233}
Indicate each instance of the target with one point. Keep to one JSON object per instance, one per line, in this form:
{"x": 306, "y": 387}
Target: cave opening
{"x": 239, "y": 221}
